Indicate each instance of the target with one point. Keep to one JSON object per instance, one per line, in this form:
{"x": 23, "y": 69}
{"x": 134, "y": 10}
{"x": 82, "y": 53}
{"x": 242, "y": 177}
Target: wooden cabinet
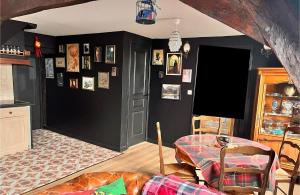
{"x": 15, "y": 131}
{"x": 277, "y": 105}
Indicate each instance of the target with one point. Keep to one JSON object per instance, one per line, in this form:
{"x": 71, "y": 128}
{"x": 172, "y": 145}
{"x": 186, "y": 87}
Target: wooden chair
{"x": 182, "y": 170}
{"x": 283, "y": 176}
{"x": 245, "y": 150}
{"x": 212, "y": 124}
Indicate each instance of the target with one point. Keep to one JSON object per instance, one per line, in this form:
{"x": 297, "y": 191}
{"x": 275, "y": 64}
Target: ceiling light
{"x": 145, "y": 11}
{"x": 175, "y": 39}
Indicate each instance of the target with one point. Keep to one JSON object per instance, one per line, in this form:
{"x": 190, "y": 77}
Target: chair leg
{"x": 292, "y": 185}
{"x": 275, "y": 191}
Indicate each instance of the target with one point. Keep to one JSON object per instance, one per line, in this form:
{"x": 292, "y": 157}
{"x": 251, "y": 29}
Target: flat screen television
{"x": 221, "y": 82}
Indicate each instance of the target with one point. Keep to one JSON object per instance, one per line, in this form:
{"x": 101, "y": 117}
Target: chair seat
{"x": 181, "y": 170}
{"x": 282, "y": 176}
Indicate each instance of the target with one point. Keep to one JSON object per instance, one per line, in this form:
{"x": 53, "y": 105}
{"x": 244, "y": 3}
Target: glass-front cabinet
{"x": 277, "y": 106}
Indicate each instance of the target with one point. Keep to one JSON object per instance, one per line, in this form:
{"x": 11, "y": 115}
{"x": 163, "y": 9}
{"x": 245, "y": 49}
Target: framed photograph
{"x": 73, "y": 57}
{"x": 86, "y": 63}
{"x": 158, "y": 57}
{"x": 170, "y": 91}
{"x": 61, "y": 48}
{"x": 88, "y": 83}
{"x": 114, "y": 71}
{"x": 49, "y": 68}
{"x": 60, "y": 62}
{"x": 187, "y": 75}
{"x": 103, "y": 80}
{"x": 161, "y": 74}
{"x": 73, "y": 83}
{"x": 60, "y": 79}
{"x": 86, "y": 48}
{"x": 98, "y": 54}
{"x": 174, "y": 64}
{"x": 110, "y": 54}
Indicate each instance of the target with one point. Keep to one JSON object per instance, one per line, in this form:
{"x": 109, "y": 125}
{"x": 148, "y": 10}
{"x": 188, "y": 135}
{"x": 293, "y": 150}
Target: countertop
{"x": 13, "y": 103}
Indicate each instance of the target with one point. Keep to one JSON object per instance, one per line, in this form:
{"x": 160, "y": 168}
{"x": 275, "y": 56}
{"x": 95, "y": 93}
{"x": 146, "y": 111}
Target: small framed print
{"x": 187, "y": 75}
{"x": 114, "y": 71}
{"x": 73, "y": 57}
{"x": 161, "y": 74}
{"x": 103, "y": 80}
{"x": 86, "y": 48}
{"x": 61, "y": 48}
{"x": 88, "y": 83}
{"x": 49, "y": 68}
{"x": 73, "y": 83}
{"x": 170, "y": 91}
{"x": 86, "y": 63}
{"x": 174, "y": 64}
{"x": 98, "y": 54}
{"x": 158, "y": 57}
{"x": 60, "y": 79}
{"x": 110, "y": 54}
{"x": 60, "y": 62}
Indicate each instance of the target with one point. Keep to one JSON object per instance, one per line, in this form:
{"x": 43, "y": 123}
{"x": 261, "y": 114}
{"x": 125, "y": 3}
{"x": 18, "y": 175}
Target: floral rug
{"x": 54, "y": 156}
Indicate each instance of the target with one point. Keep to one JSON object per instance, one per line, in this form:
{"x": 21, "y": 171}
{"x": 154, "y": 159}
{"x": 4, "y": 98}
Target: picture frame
{"x": 171, "y": 91}
{"x": 60, "y": 62}
{"x": 114, "y": 71}
{"x": 97, "y": 54}
{"x": 158, "y": 57}
{"x": 61, "y": 48}
{"x": 88, "y": 83}
{"x": 110, "y": 54}
{"x": 174, "y": 64}
{"x": 60, "y": 79}
{"x": 73, "y": 83}
{"x": 86, "y": 48}
{"x": 161, "y": 74}
{"x": 187, "y": 75}
{"x": 103, "y": 80}
{"x": 73, "y": 57}
{"x": 86, "y": 63}
{"x": 49, "y": 68}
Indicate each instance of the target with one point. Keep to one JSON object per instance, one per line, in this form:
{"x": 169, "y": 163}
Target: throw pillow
{"x": 115, "y": 188}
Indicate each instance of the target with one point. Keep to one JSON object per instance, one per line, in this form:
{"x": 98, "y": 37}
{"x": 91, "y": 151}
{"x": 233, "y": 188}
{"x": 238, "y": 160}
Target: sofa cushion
{"x": 134, "y": 182}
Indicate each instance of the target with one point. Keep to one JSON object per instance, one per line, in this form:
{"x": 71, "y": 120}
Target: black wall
{"x": 175, "y": 116}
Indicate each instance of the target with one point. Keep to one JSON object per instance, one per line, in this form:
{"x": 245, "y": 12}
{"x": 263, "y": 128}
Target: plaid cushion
{"x": 172, "y": 185}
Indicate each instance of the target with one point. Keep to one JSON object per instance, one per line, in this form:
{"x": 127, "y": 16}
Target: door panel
{"x": 138, "y": 98}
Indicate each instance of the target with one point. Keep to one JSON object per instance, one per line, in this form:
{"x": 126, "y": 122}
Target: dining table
{"x": 203, "y": 152}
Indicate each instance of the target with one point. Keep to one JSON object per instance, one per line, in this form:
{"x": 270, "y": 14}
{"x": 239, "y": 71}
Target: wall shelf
{"x": 15, "y": 61}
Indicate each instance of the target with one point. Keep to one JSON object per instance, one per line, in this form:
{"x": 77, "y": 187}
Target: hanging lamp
{"x": 175, "y": 39}
{"x": 145, "y": 11}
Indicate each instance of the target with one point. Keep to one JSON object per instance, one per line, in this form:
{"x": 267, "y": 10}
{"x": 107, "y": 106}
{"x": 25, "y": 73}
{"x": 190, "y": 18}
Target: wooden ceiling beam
{"x": 272, "y": 22}
{"x": 13, "y": 8}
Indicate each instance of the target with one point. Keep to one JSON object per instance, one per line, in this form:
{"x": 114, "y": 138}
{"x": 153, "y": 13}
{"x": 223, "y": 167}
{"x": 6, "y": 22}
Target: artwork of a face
{"x": 73, "y": 57}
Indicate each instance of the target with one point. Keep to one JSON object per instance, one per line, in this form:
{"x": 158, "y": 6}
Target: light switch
{"x": 189, "y": 92}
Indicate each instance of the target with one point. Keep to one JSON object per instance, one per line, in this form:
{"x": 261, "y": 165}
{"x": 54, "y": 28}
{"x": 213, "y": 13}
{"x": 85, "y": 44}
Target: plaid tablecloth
{"x": 201, "y": 150}
{"x": 172, "y": 185}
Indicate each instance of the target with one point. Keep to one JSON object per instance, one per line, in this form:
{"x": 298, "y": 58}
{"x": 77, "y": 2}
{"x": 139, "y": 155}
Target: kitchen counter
{"x": 13, "y": 103}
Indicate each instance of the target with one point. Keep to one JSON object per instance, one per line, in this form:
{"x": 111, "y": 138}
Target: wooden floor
{"x": 141, "y": 158}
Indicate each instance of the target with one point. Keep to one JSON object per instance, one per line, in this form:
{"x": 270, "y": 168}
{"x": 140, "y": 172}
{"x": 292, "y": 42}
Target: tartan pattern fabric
{"x": 202, "y": 151}
{"x": 172, "y": 185}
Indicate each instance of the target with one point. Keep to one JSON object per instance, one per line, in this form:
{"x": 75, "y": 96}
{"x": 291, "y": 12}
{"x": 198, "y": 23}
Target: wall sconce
{"x": 186, "y": 49}
{"x": 266, "y": 51}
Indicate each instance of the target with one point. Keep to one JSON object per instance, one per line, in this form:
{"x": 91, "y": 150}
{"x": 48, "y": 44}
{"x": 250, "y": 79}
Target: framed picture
{"x": 187, "y": 75}
{"x": 161, "y": 74}
{"x": 98, "y": 54}
{"x": 114, "y": 71}
{"x": 86, "y": 48}
{"x": 61, "y": 48}
{"x": 88, "y": 83}
{"x": 110, "y": 54}
{"x": 60, "y": 62}
{"x": 103, "y": 80}
{"x": 174, "y": 64}
{"x": 73, "y": 57}
{"x": 158, "y": 57}
{"x": 60, "y": 79}
{"x": 170, "y": 91}
{"x": 49, "y": 68}
{"x": 73, "y": 83}
{"x": 86, "y": 63}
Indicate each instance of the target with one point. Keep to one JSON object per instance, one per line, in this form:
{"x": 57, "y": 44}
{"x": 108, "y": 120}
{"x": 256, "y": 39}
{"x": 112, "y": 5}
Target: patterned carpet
{"x": 54, "y": 156}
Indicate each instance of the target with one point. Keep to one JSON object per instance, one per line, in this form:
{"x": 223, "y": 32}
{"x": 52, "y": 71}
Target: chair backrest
{"x": 160, "y": 150}
{"x": 246, "y": 150}
{"x": 292, "y": 147}
{"x": 206, "y": 124}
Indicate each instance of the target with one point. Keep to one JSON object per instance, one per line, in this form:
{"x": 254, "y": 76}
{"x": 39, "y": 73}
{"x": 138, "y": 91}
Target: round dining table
{"x": 202, "y": 152}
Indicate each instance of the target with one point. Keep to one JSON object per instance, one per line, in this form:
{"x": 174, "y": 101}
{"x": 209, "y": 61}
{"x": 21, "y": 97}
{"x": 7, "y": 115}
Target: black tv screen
{"x": 221, "y": 87}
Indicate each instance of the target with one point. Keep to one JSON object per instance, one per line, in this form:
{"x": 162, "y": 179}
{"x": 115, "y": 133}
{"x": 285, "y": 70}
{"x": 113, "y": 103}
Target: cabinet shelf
{"x": 277, "y": 114}
{"x": 277, "y": 95}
